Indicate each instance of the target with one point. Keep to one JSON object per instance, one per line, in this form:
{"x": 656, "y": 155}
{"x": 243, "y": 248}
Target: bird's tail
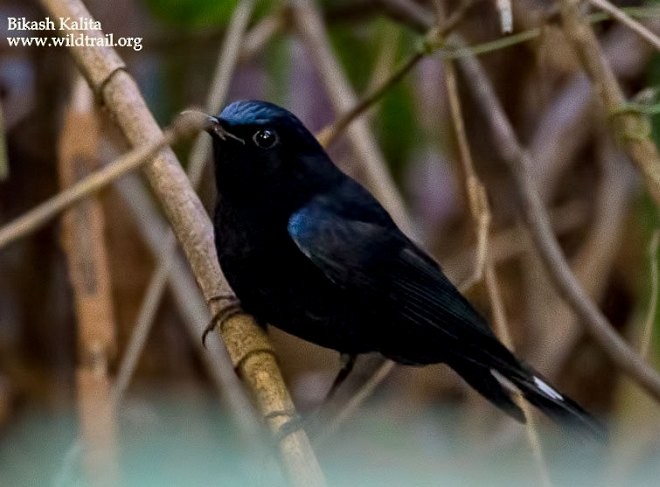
{"x": 500, "y": 386}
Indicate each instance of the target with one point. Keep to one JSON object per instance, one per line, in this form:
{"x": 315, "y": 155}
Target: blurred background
{"x": 72, "y": 293}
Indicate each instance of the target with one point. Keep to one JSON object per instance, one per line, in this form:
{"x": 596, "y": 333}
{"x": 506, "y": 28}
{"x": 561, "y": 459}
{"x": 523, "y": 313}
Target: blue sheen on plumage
{"x": 309, "y": 250}
{"x": 243, "y": 112}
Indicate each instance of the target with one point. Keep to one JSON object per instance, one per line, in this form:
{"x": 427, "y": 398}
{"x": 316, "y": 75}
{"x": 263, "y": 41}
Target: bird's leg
{"x": 347, "y": 363}
{"x": 232, "y": 309}
{"x": 296, "y": 422}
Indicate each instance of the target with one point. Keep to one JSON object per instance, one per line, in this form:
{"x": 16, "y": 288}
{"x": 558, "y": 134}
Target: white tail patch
{"x": 547, "y": 390}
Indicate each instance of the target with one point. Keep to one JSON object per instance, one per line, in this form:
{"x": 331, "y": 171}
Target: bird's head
{"x": 262, "y": 148}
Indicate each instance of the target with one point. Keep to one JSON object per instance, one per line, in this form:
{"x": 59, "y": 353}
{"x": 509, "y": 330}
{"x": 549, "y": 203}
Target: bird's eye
{"x": 265, "y": 138}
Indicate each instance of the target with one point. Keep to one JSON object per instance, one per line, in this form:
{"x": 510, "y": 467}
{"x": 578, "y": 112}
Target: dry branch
{"x": 246, "y": 342}
{"x": 629, "y": 128}
{"x": 649, "y": 321}
{"x": 225, "y": 65}
{"x": 328, "y": 135}
{"x": 537, "y": 221}
{"x": 563, "y": 129}
{"x": 193, "y": 309}
{"x": 534, "y": 214}
{"x": 309, "y": 25}
{"x": 629, "y": 22}
{"x": 84, "y": 244}
{"x": 481, "y": 216}
{"x": 43, "y": 213}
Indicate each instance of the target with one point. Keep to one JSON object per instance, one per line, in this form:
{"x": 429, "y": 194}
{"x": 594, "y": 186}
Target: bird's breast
{"x": 277, "y": 284}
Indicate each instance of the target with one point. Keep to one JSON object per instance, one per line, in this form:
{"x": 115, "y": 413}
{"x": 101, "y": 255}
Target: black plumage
{"x": 310, "y": 251}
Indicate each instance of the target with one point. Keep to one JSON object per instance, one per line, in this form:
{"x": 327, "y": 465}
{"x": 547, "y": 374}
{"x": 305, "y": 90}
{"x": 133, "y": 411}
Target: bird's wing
{"x": 366, "y": 254}
{"x": 361, "y": 251}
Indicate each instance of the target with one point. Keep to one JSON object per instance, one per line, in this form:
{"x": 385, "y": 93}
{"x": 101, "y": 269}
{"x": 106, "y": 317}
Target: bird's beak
{"x": 217, "y": 127}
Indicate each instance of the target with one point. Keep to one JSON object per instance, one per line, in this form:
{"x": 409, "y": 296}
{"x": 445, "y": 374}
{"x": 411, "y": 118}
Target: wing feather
{"x": 376, "y": 261}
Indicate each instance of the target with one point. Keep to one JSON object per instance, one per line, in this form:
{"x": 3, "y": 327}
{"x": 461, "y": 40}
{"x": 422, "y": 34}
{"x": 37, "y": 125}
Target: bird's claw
{"x": 232, "y": 308}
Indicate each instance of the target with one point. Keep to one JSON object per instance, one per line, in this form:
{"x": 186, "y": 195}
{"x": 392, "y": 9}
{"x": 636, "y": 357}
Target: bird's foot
{"x": 232, "y": 308}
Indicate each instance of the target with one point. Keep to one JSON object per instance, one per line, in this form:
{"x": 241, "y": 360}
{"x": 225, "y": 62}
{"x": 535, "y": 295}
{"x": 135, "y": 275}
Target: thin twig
{"x": 246, "y": 342}
{"x": 372, "y": 372}
{"x": 87, "y": 259}
{"x": 226, "y": 63}
{"x": 329, "y": 133}
{"x": 309, "y": 25}
{"x": 628, "y": 21}
{"x": 635, "y": 436}
{"x": 474, "y": 189}
{"x": 631, "y": 129}
{"x": 140, "y": 331}
{"x": 259, "y": 35}
{"x": 592, "y": 263}
{"x": 418, "y": 18}
{"x": 193, "y": 309}
{"x": 312, "y": 30}
{"x": 647, "y": 334}
{"x": 510, "y": 243}
{"x": 42, "y": 214}
{"x": 386, "y": 58}
{"x": 567, "y": 124}
{"x": 502, "y": 329}
{"x": 480, "y": 211}
{"x": 536, "y": 219}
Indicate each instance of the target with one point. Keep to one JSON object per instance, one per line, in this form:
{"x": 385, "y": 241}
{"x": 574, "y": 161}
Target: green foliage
{"x": 358, "y": 49}
{"x": 355, "y": 46}
{"x": 191, "y": 14}
{"x": 648, "y": 211}
{"x": 277, "y": 58}
{"x": 195, "y": 14}
{"x": 654, "y": 80}
{"x": 649, "y": 220}
{"x": 397, "y": 125}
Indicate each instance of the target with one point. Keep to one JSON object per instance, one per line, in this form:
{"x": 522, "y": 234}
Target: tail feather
{"x": 488, "y": 386}
{"x": 499, "y": 387}
{"x": 557, "y": 406}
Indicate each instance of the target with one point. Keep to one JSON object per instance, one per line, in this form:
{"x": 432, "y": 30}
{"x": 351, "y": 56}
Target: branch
{"x": 309, "y": 25}
{"x": 88, "y": 270}
{"x": 567, "y": 124}
{"x": 629, "y": 128}
{"x": 329, "y": 133}
{"x": 34, "y": 219}
{"x": 193, "y": 309}
{"x": 535, "y": 216}
{"x": 591, "y": 263}
{"x": 537, "y": 222}
{"x": 481, "y": 216}
{"x": 629, "y": 22}
{"x": 247, "y": 344}
{"x": 167, "y": 255}
{"x": 311, "y": 29}
{"x": 645, "y": 342}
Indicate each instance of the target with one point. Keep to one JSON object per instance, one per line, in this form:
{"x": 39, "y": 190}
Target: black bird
{"x": 309, "y": 250}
